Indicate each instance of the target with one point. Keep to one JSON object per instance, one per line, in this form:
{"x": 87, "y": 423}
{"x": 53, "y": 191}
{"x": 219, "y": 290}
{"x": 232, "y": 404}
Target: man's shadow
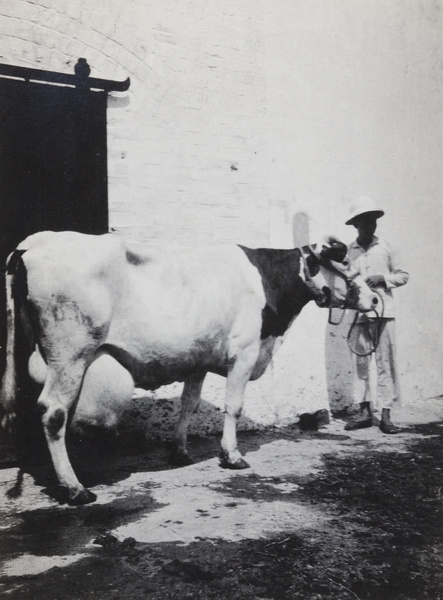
{"x": 339, "y": 360}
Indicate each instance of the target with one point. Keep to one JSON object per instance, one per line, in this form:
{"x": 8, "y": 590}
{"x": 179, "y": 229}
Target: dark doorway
{"x": 53, "y": 157}
{"x": 53, "y": 160}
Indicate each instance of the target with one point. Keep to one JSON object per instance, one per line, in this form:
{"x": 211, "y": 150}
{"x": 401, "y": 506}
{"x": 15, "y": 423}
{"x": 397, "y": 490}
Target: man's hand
{"x": 375, "y": 281}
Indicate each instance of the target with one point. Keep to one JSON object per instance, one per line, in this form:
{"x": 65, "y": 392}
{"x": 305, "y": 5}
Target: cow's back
{"x": 187, "y": 305}
{"x": 191, "y": 283}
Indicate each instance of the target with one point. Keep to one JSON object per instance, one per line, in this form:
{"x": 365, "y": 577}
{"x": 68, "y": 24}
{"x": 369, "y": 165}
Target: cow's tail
{"x": 8, "y": 391}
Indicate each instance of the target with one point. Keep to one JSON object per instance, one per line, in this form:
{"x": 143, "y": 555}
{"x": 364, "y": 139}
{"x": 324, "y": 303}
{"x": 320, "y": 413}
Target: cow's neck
{"x": 285, "y": 290}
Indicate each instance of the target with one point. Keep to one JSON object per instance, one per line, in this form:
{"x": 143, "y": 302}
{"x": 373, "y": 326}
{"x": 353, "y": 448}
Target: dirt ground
{"x": 319, "y": 516}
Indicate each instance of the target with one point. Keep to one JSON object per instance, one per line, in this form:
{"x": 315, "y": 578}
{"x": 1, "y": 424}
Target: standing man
{"x": 374, "y": 335}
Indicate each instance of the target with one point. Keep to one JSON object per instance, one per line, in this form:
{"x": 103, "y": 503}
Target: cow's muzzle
{"x": 375, "y": 301}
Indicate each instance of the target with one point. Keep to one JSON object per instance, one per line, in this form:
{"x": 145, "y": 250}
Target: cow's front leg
{"x": 190, "y": 401}
{"x": 237, "y": 379}
{"x": 54, "y": 405}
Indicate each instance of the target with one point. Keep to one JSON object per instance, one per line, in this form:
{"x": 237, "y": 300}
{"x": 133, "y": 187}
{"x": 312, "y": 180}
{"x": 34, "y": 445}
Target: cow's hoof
{"x": 180, "y": 459}
{"x": 82, "y": 497}
{"x": 238, "y": 464}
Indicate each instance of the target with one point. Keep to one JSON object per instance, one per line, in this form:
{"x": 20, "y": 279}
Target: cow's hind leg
{"x": 190, "y": 401}
{"x": 58, "y": 395}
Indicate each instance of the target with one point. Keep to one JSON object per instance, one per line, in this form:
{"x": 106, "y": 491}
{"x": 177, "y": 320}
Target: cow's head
{"x": 340, "y": 284}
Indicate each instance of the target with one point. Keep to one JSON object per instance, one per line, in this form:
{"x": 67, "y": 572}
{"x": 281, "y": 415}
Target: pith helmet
{"x": 363, "y": 205}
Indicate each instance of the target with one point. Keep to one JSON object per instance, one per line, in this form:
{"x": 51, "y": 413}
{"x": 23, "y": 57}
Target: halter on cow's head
{"x": 337, "y": 284}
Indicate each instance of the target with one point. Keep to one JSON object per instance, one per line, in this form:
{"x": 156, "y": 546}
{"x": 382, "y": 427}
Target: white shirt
{"x": 380, "y": 259}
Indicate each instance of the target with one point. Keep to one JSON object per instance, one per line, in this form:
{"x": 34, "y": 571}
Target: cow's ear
{"x": 335, "y": 251}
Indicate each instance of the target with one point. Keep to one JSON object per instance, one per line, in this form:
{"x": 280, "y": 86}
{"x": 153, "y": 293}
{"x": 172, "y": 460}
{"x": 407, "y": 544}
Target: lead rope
{"x": 373, "y": 335}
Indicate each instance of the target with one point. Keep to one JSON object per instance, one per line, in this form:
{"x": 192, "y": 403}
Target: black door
{"x": 53, "y": 171}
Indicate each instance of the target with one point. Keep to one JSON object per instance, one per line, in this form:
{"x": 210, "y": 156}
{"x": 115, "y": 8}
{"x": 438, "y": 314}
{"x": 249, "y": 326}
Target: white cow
{"x": 105, "y": 316}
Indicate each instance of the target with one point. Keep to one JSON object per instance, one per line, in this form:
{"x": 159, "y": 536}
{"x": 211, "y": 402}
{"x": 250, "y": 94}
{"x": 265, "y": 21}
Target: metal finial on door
{"x": 82, "y": 71}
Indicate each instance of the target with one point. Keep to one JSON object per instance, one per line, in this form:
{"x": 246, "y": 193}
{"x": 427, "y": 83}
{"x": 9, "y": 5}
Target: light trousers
{"x": 386, "y": 393}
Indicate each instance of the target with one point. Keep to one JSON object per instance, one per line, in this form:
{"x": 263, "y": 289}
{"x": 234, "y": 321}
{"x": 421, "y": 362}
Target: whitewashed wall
{"x": 257, "y": 121}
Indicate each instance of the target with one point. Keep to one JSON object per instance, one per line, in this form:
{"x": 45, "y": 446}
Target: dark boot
{"x": 362, "y": 420}
{"x": 386, "y": 425}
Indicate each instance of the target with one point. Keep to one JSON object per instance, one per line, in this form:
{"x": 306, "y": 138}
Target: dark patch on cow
{"x": 313, "y": 264}
{"x": 286, "y": 292}
{"x": 135, "y": 259}
{"x": 336, "y": 251}
{"x": 97, "y": 332}
{"x": 63, "y": 307}
{"x": 55, "y": 423}
{"x": 41, "y": 408}
{"x": 58, "y": 307}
